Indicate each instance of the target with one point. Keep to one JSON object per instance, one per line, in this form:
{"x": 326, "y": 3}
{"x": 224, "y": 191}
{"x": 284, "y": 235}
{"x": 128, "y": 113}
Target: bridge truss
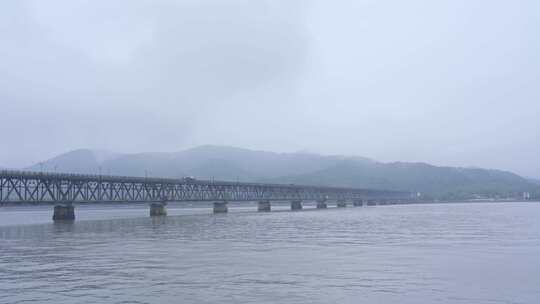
{"x": 17, "y": 187}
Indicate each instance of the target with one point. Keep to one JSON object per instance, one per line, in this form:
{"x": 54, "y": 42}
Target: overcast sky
{"x": 446, "y": 82}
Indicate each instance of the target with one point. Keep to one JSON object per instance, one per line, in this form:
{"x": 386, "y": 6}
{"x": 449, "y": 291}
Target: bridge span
{"x": 63, "y": 190}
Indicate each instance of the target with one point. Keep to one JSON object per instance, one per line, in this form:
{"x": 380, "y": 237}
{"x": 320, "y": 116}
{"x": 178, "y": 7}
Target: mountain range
{"x": 230, "y": 163}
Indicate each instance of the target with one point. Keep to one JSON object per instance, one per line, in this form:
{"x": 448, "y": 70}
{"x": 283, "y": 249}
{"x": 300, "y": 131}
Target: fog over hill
{"x": 219, "y": 162}
{"x": 230, "y": 163}
{"x": 433, "y": 181}
{"x": 535, "y": 180}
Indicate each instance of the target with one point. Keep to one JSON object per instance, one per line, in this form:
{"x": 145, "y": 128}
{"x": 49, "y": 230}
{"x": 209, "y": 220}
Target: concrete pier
{"x": 296, "y": 205}
{"x": 64, "y": 213}
{"x": 358, "y": 203}
{"x": 341, "y": 204}
{"x": 221, "y": 207}
{"x": 264, "y": 206}
{"x": 321, "y": 204}
{"x": 158, "y": 209}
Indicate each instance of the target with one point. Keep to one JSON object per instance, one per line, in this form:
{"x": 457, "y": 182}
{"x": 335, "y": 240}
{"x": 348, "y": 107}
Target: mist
{"x": 446, "y": 82}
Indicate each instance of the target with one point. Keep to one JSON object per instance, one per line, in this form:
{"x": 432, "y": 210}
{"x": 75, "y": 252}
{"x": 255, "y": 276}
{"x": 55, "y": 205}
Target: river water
{"x": 439, "y": 253}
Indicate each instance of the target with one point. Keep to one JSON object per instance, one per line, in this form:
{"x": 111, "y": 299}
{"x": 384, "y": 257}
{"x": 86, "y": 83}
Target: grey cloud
{"x": 446, "y": 82}
{"x": 118, "y": 74}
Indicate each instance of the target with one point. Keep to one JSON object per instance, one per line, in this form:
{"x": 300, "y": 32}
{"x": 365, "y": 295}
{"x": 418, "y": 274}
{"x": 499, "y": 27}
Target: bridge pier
{"x": 358, "y": 203}
{"x": 264, "y": 206}
{"x": 321, "y": 204}
{"x": 341, "y": 204}
{"x": 64, "y": 213}
{"x": 221, "y": 207}
{"x": 158, "y": 209}
{"x": 296, "y": 205}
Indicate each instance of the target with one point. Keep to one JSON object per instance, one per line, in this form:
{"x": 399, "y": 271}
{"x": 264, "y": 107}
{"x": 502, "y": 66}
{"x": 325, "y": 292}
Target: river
{"x": 436, "y": 253}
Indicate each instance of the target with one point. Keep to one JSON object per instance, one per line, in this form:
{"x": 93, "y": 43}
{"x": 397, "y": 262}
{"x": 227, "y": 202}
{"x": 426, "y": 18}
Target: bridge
{"x": 63, "y": 190}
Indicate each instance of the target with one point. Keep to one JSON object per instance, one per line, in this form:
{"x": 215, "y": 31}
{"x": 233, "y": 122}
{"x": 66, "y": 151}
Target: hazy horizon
{"x": 450, "y": 83}
{"x": 120, "y": 153}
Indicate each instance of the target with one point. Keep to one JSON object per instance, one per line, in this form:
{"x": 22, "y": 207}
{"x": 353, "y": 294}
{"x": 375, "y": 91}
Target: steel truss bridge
{"x": 19, "y": 187}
